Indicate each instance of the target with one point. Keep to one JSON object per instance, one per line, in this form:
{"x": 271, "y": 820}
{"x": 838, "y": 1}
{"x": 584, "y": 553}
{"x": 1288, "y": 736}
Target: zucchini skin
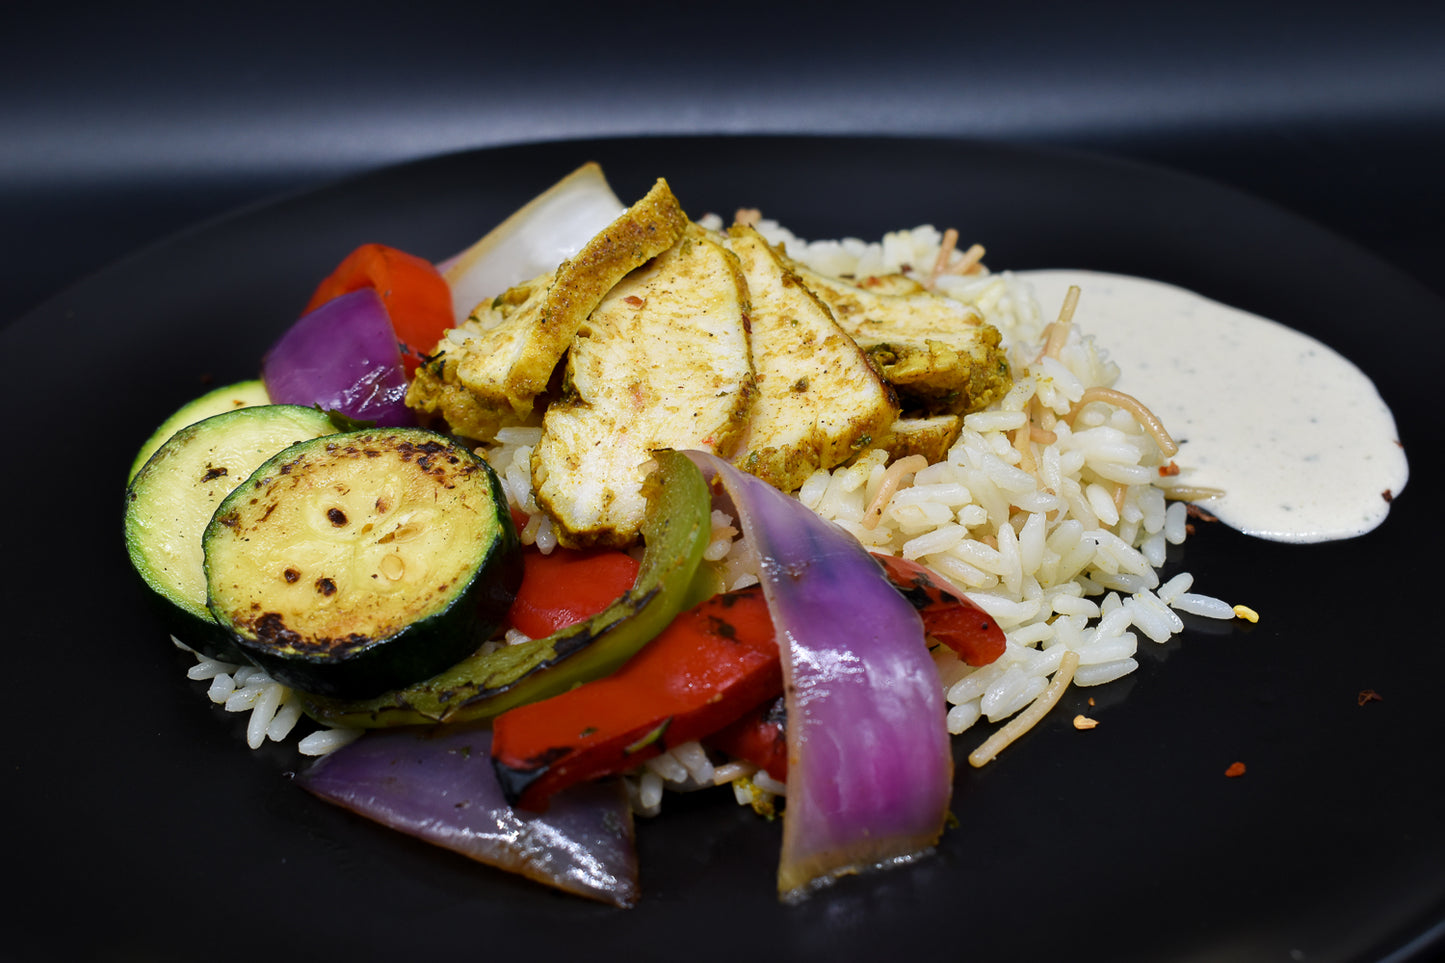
{"x": 337, "y": 636}
{"x": 243, "y": 394}
{"x": 170, "y": 500}
{"x": 676, "y": 530}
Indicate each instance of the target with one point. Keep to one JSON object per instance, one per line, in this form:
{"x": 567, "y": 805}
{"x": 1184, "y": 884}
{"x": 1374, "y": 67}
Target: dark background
{"x": 122, "y": 124}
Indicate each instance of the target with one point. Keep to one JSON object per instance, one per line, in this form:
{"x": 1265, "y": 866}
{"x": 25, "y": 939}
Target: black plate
{"x": 142, "y": 827}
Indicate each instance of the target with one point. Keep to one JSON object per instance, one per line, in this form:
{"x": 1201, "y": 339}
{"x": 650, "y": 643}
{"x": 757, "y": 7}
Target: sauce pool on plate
{"x": 1297, "y": 437}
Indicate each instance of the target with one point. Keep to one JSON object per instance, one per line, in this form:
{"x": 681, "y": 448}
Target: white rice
{"x": 273, "y": 710}
{"x": 1064, "y": 556}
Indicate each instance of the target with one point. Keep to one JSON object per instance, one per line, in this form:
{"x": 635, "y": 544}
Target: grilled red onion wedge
{"x": 870, "y": 771}
{"x": 437, "y": 785}
{"x": 342, "y": 357}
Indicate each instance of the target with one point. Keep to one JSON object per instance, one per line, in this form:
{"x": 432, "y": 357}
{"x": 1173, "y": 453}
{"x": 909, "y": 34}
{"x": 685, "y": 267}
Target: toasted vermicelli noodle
{"x": 1053, "y": 510}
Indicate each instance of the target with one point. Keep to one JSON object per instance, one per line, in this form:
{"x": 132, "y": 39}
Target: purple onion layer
{"x": 439, "y": 785}
{"x": 870, "y": 770}
{"x": 344, "y": 357}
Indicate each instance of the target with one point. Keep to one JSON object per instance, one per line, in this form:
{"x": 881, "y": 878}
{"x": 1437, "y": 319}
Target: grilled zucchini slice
{"x": 363, "y": 561}
{"x": 171, "y": 499}
{"x": 243, "y": 394}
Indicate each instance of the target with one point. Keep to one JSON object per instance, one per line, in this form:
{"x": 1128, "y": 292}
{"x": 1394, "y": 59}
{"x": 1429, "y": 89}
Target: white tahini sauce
{"x": 1295, "y": 435}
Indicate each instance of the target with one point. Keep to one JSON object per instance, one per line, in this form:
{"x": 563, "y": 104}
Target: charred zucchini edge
{"x": 318, "y": 574}
{"x": 170, "y": 500}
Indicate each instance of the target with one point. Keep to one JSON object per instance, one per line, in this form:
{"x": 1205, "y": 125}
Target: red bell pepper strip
{"x": 948, "y": 615}
{"x": 712, "y": 675}
{"x": 760, "y": 737}
{"x": 567, "y": 586}
{"x": 417, "y": 296}
{"x": 714, "y": 662}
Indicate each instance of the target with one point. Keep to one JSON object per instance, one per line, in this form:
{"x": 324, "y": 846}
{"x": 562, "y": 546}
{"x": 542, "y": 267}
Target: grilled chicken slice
{"x": 936, "y": 352}
{"x": 662, "y": 362}
{"x": 820, "y": 400}
{"x": 899, "y": 284}
{"x": 509, "y": 347}
{"x": 929, "y": 437}
{"x": 438, "y": 393}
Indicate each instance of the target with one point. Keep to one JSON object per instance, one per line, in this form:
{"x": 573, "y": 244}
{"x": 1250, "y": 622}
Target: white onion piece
{"x": 548, "y": 230}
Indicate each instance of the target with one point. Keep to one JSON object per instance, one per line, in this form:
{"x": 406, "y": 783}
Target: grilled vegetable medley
{"x": 337, "y": 523}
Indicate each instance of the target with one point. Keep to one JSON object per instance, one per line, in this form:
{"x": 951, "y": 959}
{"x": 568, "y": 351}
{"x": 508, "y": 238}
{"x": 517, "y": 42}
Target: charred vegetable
{"x": 870, "y": 771}
{"x": 951, "y": 618}
{"x": 436, "y": 785}
{"x": 172, "y": 497}
{"x": 948, "y": 615}
{"x": 483, "y": 685}
{"x": 714, "y": 675}
{"x": 417, "y": 298}
{"x": 363, "y": 561}
{"x": 567, "y": 586}
{"x": 548, "y": 230}
{"x": 760, "y": 737}
{"x": 712, "y": 664}
{"x": 244, "y": 394}
{"x": 342, "y": 356}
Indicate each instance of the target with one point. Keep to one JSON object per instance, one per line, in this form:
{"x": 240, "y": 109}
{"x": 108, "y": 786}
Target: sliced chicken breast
{"x": 663, "y": 362}
{"x": 507, "y": 351}
{"x": 820, "y": 400}
{"x": 937, "y": 353}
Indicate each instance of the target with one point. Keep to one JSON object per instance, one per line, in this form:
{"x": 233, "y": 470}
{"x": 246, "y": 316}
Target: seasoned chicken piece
{"x": 936, "y": 352}
{"x": 898, "y": 284}
{"x": 662, "y": 363}
{"x": 437, "y": 393}
{"x": 929, "y": 437}
{"x": 819, "y": 399}
{"x": 509, "y": 347}
{"x": 944, "y": 375}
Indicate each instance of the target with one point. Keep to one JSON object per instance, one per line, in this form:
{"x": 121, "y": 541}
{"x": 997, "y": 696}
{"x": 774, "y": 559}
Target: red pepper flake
{"x": 1169, "y": 470}
{"x": 1235, "y": 770}
{"x": 1387, "y": 495}
{"x": 635, "y": 301}
{"x": 1368, "y": 695}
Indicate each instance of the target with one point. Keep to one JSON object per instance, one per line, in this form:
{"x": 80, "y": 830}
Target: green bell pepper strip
{"x": 676, "y": 530}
